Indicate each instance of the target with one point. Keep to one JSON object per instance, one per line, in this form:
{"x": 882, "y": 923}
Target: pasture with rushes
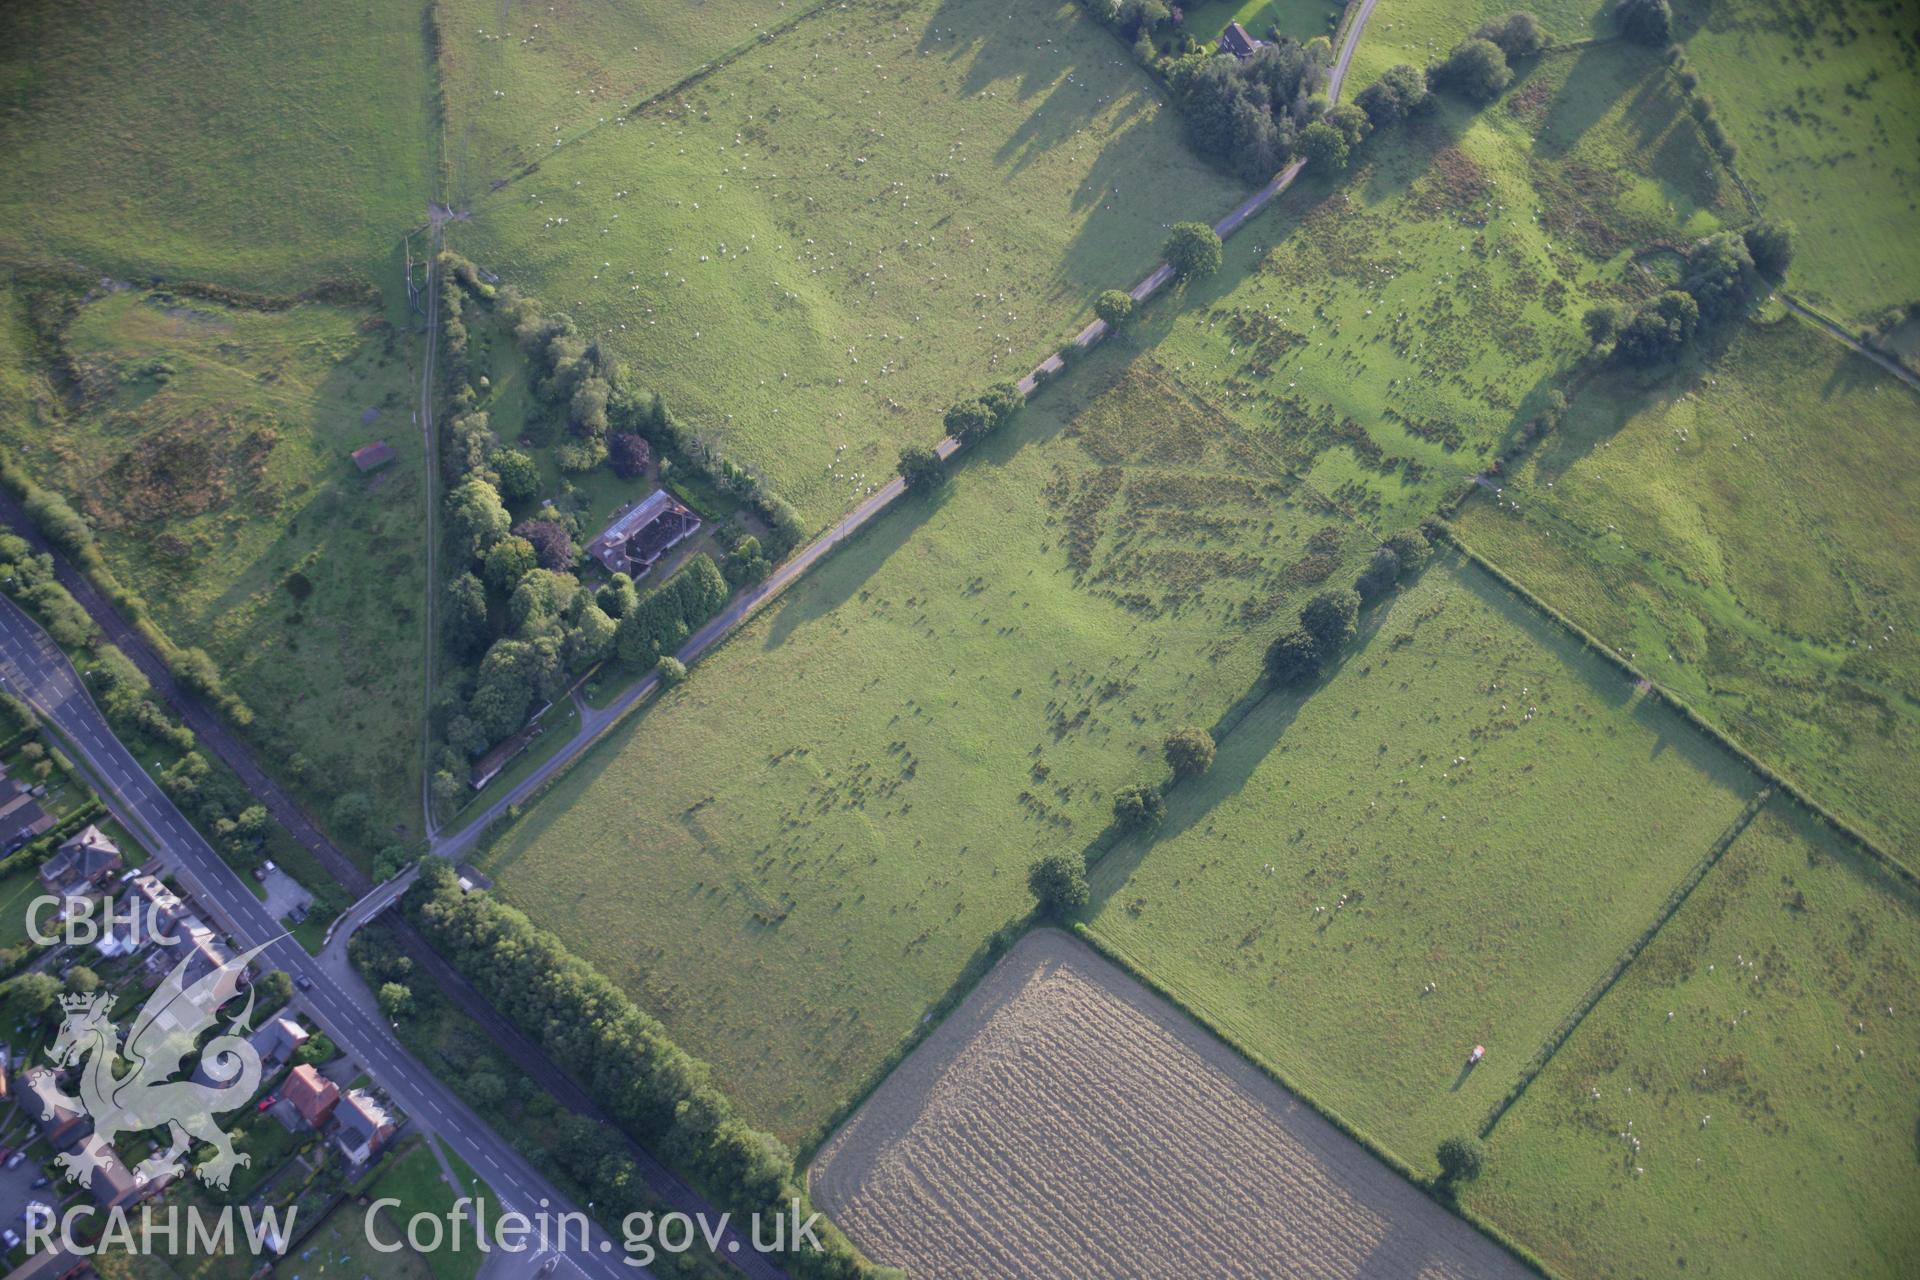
{"x": 511, "y": 76}
{"x": 817, "y": 249}
{"x": 265, "y": 146}
{"x": 1469, "y": 801}
{"x": 1394, "y": 332}
{"x": 208, "y": 445}
{"x": 1820, "y": 98}
{"x": 791, "y": 857}
{"x": 1745, "y": 528}
{"x": 1765, "y": 1050}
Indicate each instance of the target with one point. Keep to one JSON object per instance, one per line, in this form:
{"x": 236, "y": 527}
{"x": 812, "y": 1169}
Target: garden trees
{"x": 81, "y": 981}
{"x": 1413, "y": 550}
{"x": 1519, "y": 35}
{"x": 519, "y": 477}
{"x": 628, "y": 454}
{"x": 476, "y": 519}
{"x": 507, "y": 561}
{"x": 28, "y": 997}
{"x": 922, "y": 469}
{"x": 590, "y": 636}
{"x": 1476, "y": 70}
{"x": 1189, "y": 751}
{"x": 1244, "y": 112}
{"x": 1138, "y": 806}
{"x": 1659, "y": 330}
{"x": 1059, "y": 882}
{"x": 1771, "y": 246}
{"x": 1399, "y": 93}
{"x": 1332, "y": 618}
{"x": 1644, "y": 21}
{"x": 1460, "y": 1159}
{"x": 1192, "y": 249}
{"x": 552, "y": 544}
{"x": 1324, "y": 146}
{"x": 463, "y": 620}
{"x": 746, "y": 562}
{"x": 1115, "y": 307}
{"x": 1293, "y": 658}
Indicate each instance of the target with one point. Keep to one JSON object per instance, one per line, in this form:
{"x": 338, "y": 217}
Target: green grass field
{"x": 511, "y": 77}
{"x": 1421, "y": 32}
{"x": 816, "y": 250}
{"x": 1395, "y": 332}
{"x": 1301, "y": 19}
{"x": 1511, "y": 880}
{"x": 266, "y": 146}
{"x": 210, "y": 449}
{"x": 1745, "y": 528}
{"x": 1752, "y": 1050}
{"x": 1819, "y": 97}
{"x": 844, "y": 800}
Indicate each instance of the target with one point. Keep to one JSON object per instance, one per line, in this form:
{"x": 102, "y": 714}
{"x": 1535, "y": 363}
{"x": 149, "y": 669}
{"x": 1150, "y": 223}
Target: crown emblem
{"x": 77, "y": 1002}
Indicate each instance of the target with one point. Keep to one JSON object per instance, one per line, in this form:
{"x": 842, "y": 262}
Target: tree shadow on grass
{"x": 845, "y": 572}
{"x": 1239, "y": 754}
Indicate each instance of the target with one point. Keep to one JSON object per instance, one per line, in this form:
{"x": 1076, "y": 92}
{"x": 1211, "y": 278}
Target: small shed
{"x": 371, "y": 457}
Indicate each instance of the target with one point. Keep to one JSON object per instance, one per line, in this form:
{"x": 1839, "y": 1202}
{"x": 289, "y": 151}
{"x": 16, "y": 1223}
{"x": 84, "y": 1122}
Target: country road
{"x": 216, "y": 737}
{"x": 594, "y": 724}
{"x": 33, "y": 668}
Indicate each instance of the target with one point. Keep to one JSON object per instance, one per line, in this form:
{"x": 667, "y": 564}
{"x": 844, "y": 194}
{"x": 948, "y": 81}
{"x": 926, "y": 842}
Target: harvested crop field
{"x": 1065, "y": 1120}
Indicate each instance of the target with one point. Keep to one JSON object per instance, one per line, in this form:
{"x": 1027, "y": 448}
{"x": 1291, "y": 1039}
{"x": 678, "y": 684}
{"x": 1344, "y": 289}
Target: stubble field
{"x": 1065, "y": 1120}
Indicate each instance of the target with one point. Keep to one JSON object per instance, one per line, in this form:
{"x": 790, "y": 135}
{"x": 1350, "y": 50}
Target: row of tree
{"x": 657, "y": 1092}
{"x": 1328, "y": 622}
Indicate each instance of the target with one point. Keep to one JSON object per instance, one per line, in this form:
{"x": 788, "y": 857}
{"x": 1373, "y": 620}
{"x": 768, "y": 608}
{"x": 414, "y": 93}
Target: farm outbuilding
{"x": 371, "y": 457}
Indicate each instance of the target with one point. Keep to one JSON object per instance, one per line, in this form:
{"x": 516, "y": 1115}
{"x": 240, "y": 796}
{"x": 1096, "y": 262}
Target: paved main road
{"x": 34, "y": 669}
{"x": 595, "y": 723}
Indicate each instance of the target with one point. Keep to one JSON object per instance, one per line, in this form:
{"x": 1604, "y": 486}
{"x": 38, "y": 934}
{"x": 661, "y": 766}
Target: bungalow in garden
{"x": 1236, "y": 41}
{"x": 639, "y": 536}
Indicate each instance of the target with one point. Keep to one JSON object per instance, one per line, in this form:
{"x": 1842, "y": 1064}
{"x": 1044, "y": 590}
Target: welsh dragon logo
{"x": 131, "y": 1090}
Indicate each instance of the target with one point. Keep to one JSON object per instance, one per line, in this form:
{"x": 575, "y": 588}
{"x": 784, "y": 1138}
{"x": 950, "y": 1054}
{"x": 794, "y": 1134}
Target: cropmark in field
{"x": 1395, "y": 333}
{"x": 844, "y": 803}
